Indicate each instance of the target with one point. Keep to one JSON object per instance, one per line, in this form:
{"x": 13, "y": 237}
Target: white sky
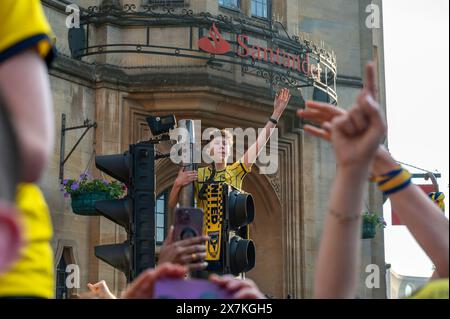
{"x": 417, "y": 80}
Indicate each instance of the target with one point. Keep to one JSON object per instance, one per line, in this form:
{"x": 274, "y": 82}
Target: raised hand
{"x": 281, "y": 101}
{"x": 143, "y": 287}
{"x": 101, "y": 290}
{"x": 239, "y": 289}
{"x": 190, "y": 252}
{"x": 357, "y": 134}
{"x": 320, "y": 113}
{"x": 185, "y": 177}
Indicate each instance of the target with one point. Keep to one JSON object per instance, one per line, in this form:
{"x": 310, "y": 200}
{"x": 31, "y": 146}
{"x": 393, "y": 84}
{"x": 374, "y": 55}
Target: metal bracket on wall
{"x": 62, "y": 160}
{"x": 430, "y": 175}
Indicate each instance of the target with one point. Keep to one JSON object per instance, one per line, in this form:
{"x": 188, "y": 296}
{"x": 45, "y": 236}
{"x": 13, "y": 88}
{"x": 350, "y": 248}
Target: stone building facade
{"x": 118, "y": 90}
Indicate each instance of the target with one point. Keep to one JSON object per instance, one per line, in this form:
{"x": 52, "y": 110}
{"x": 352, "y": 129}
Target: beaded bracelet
{"x": 344, "y": 218}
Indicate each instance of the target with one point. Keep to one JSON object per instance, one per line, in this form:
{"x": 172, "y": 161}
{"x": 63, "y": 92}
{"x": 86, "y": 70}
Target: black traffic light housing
{"x": 240, "y": 213}
{"x": 134, "y": 212}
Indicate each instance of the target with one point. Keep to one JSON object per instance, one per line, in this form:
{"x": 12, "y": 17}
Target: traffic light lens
{"x": 242, "y": 255}
{"x": 242, "y": 209}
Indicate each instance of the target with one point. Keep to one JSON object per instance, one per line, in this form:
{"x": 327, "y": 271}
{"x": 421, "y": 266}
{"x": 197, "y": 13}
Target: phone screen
{"x": 189, "y": 289}
{"x": 188, "y": 222}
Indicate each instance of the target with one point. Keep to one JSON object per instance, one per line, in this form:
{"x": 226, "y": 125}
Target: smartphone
{"x": 188, "y": 222}
{"x": 189, "y": 289}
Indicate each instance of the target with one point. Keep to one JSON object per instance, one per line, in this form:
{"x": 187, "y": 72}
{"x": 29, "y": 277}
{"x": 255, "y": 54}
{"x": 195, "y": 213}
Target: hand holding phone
{"x": 185, "y": 244}
{"x": 188, "y": 223}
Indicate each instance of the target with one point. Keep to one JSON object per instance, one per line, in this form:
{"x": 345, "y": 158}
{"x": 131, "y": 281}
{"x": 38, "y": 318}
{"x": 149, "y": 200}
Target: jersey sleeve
{"x": 23, "y": 25}
{"x": 238, "y": 171}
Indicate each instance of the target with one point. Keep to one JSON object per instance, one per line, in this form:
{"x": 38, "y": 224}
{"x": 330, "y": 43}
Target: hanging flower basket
{"x": 370, "y": 224}
{"x": 369, "y": 230}
{"x": 84, "y": 203}
{"x": 85, "y": 192}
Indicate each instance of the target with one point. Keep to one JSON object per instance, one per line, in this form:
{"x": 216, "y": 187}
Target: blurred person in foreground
{"x": 143, "y": 287}
{"x": 356, "y": 136}
{"x": 25, "y": 51}
{"x": 10, "y": 232}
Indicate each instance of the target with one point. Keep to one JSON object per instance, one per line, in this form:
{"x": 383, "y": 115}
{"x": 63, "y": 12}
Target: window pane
{"x": 160, "y": 206}
{"x": 160, "y": 220}
{"x": 159, "y": 235}
{"x": 229, "y": 3}
{"x": 260, "y": 8}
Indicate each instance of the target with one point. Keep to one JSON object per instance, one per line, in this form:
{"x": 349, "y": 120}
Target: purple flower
{"x": 74, "y": 186}
{"x": 105, "y": 182}
{"x": 66, "y": 195}
{"x": 65, "y": 182}
{"x": 84, "y": 176}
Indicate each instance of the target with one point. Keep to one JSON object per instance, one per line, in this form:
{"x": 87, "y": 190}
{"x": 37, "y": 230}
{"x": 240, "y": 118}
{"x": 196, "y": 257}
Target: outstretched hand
{"x": 319, "y": 113}
{"x": 239, "y": 289}
{"x": 281, "y": 101}
{"x": 357, "y": 134}
{"x": 101, "y": 290}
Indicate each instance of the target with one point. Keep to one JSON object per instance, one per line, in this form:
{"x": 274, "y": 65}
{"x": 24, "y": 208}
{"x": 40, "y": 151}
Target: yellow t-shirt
{"x": 23, "y": 25}
{"x": 232, "y": 175}
{"x": 32, "y": 275}
{"x": 436, "y": 289}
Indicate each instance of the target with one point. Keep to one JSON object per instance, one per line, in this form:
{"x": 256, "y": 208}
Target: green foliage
{"x": 85, "y": 184}
{"x": 374, "y": 219}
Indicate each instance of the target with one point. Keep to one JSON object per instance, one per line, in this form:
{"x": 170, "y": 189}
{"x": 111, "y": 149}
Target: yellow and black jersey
{"x": 232, "y": 175}
{"x": 23, "y": 25}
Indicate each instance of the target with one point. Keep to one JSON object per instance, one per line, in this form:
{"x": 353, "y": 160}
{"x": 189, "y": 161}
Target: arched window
{"x": 62, "y": 292}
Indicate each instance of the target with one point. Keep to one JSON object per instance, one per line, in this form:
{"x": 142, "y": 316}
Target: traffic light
{"x": 227, "y": 217}
{"x": 240, "y": 212}
{"x": 134, "y": 212}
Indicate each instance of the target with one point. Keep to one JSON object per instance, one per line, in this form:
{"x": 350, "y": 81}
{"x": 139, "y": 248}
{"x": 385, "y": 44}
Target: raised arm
{"x": 425, "y": 221}
{"x": 281, "y": 101}
{"x": 356, "y": 136}
{"x": 184, "y": 178}
{"x": 423, "y": 218}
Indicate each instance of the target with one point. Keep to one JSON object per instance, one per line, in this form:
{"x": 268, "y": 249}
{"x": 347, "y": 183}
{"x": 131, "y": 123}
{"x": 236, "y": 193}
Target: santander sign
{"x": 215, "y": 43}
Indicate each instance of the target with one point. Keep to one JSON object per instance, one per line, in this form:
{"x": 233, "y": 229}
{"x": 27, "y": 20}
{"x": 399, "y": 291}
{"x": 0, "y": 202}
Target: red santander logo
{"x": 214, "y": 43}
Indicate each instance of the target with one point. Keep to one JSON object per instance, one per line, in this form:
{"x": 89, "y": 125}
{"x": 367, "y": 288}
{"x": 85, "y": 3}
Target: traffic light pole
{"x": 187, "y": 192}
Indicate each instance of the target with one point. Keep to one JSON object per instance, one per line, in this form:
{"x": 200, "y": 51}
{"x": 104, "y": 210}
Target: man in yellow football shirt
{"x": 221, "y": 147}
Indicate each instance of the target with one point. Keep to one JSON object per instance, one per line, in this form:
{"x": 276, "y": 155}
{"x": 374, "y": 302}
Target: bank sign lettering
{"x": 215, "y": 43}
